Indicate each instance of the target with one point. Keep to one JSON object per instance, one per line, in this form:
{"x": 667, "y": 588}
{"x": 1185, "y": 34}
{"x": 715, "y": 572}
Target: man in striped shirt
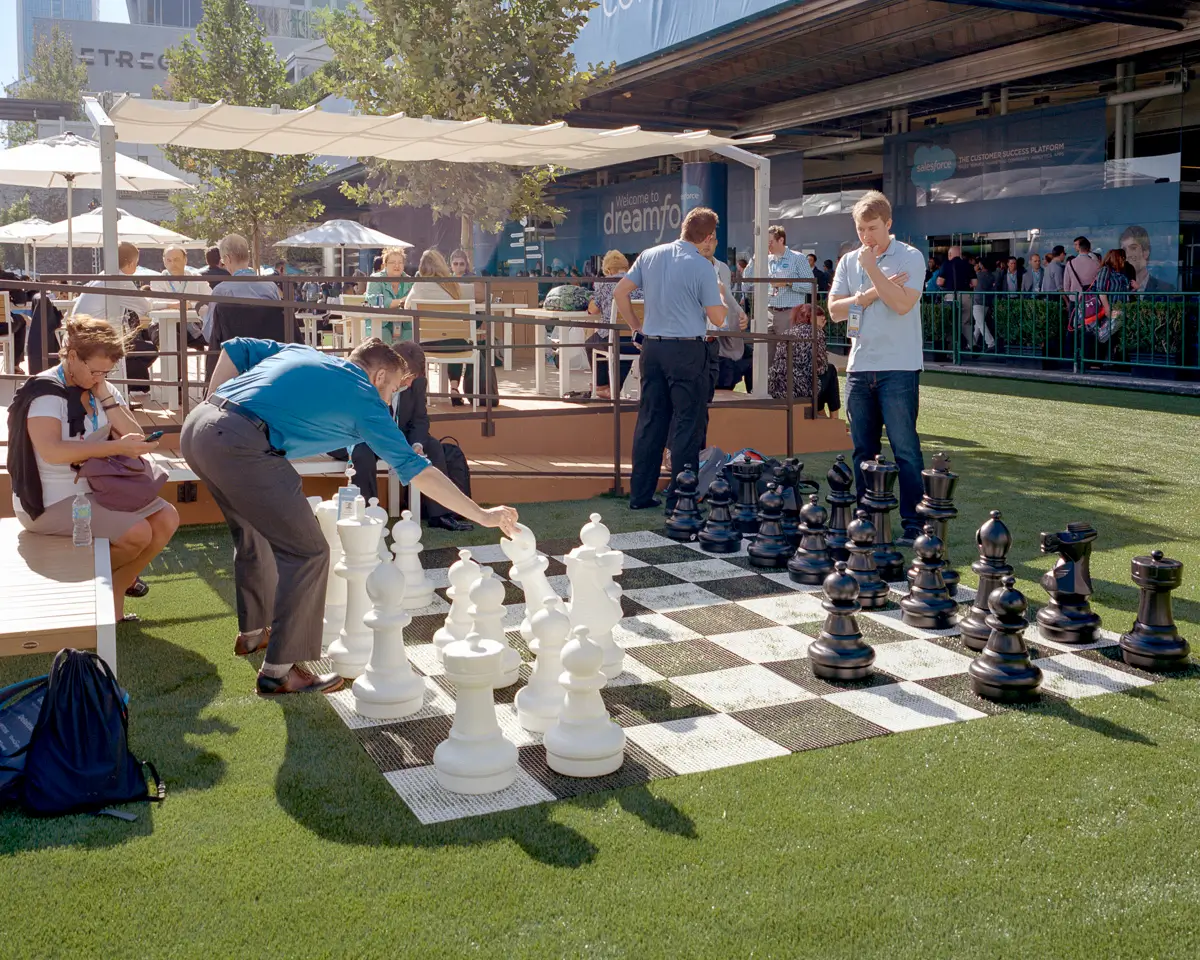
{"x": 783, "y": 265}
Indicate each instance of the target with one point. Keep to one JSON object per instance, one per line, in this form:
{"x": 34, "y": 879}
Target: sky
{"x": 111, "y": 10}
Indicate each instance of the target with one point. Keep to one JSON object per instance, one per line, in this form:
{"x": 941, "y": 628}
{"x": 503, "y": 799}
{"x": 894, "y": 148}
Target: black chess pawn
{"x": 1068, "y": 617}
{"x": 993, "y": 540}
{"x": 879, "y": 501}
{"x": 937, "y": 507}
{"x": 770, "y": 548}
{"x": 840, "y": 653}
{"x": 1154, "y": 643}
{"x": 685, "y": 521}
{"x": 841, "y": 508}
{"x": 811, "y": 564}
{"x": 745, "y": 511}
{"x": 872, "y": 591}
{"x": 1004, "y": 671}
{"x": 787, "y": 475}
{"x": 719, "y": 534}
{"x": 928, "y": 604}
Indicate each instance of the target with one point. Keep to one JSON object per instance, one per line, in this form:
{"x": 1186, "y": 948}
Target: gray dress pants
{"x": 280, "y": 557}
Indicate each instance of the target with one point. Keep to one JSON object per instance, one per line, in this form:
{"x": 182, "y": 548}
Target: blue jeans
{"x": 888, "y": 398}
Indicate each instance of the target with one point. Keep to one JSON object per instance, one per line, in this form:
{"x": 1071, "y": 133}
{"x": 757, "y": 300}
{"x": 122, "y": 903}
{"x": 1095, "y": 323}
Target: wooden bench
{"x": 56, "y": 595}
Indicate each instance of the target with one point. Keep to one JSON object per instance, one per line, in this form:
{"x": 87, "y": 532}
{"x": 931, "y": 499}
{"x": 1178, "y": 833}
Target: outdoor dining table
{"x": 503, "y": 310}
{"x": 570, "y": 344}
{"x": 166, "y": 312}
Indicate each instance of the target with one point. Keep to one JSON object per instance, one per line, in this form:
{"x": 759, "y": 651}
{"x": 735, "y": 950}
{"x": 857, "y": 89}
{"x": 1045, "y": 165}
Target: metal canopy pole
{"x": 106, "y": 134}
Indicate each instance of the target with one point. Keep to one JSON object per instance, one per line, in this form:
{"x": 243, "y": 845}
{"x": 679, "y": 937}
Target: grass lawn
{"x": 1050, "y": 832}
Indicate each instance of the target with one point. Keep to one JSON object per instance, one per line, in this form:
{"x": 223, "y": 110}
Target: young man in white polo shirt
{"x": 876, "y": 291}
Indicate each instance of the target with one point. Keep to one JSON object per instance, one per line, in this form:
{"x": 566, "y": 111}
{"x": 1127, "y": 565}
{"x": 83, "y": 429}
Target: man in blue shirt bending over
{"x": 268, "y": 401}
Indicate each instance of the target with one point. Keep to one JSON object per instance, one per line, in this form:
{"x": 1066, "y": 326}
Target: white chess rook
{"x": 335, "y": 586}
{"x": 388, "y": 689}
{"x": 360, "y": 538}
{"x": 487, "y": 619}
{"x": 376, "y": 511}
{"x": 463, "y": 575}
{"x": 529, "y": 571}
{"x": 406, "y": 545}
{"x": 540, "y": 701}
{"x": 583, "y": 742}
{"x": 595, "y": 597}
{"x": 475, "y": 758}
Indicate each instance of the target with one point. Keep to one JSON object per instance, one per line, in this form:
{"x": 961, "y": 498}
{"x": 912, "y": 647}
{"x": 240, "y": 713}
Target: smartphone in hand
{"x": 156, "y": 435}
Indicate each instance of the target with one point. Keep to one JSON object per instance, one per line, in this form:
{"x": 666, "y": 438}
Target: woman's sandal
{"x": 129, "y": 618}
{"x": 139, "y": 588}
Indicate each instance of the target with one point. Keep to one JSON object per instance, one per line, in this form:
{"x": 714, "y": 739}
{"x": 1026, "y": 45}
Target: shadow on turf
{"x": 331, "y": 787}
{"x": 171, "y": 687}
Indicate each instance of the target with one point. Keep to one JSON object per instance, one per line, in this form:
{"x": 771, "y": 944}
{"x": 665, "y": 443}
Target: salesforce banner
{"x": 630, "y": 30}
{"x": 1040, "y": 152}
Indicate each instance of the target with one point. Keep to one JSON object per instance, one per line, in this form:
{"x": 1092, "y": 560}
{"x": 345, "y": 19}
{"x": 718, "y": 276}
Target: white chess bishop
{"x": 529, "y": 571}
{"x": 406, "y": 545}
{"x": 376, "y": 511}
{"x": 463, "y": 574}
{"x": 540, "y": 701}
{"x": 388, "y": 689}
{"x": 487, "y": 619}
{"x": 475, "y": 758}
{"x": 360, "y": 540}
{"x": 335, "y": 586}
{"x": 595, "y": 597}
{"x": 583, "y": 742}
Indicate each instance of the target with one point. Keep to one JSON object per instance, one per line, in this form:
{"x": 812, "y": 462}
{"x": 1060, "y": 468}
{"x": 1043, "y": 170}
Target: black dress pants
{"x": 675, "y": 390}
{"x": 714, "y": 369}
{"x": 366, "y": 463}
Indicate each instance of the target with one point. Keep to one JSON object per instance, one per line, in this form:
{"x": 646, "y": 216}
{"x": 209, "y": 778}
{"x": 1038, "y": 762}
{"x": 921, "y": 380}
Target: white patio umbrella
{"x": 87, "y": 230}
{"x": 70, "y": 161}
{"x": 25, "y": 232}
{"x": 342, "y": 234}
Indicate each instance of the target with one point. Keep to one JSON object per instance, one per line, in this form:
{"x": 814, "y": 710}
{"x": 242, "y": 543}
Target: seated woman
{"x": 432, "y": 283}
{"x": 71, "y": 414}
{"x": 615, "y": 265}
{"x": 390, "y": 293}
{"x": 806, "y": 353}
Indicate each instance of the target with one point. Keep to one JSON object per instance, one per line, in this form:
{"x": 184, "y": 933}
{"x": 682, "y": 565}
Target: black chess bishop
{"x": 811, "y": 564}
{"x": 840, "y": 653}
{"x": 770, "y": 548}
{"x": 719, "y": 534}
{"x": 937, "y": 507}
{"x": 1068, "y": 617}
{"x": 685, "y": 521}
{"x": 994, "y": 541}
{"x": 1153, "y": 642}
{"x": 1004, "y": 671}
{"x": 872, "y": 591}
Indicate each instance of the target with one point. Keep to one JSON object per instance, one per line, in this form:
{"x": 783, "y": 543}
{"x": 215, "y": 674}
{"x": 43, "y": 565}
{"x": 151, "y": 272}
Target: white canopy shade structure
{"x": 342, "y": 233}
{"x": 222, "y": 126}
{"x": 70, "y": 161}
{"x": 87, "y": 230}
{"x": 25, "y": 232}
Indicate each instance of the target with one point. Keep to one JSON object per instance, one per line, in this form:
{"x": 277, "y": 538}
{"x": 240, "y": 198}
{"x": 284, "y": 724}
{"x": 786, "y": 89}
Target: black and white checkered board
{"x": 716, "y": 674}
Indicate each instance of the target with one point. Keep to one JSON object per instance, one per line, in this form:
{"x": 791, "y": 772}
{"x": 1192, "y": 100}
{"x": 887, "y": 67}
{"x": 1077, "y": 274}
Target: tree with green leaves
{"x": 507, "y": 60}
{"x": 52, "y": 73}
{"x": 241, "y": 191}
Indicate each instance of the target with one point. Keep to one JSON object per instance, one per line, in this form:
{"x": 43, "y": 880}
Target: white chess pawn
{"x": 583, "y": 742}
{"x": 595, "y": 596}
{"x": 335, "y": 586}
{"x": 529, "y": 571}
{"x": 406, "y": 545}
{"x": 464, "y": 573}
{"x": 388, "y": 689}
{"x": 540, "y": 701}
{"x": 376, "y": 511}
{"x": 475, "y": 758}
{"x": 360, "y": 536}
{"x": 487, "y": 620}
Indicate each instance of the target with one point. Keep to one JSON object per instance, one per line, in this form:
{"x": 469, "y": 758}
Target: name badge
{"x": 854, "y": 320}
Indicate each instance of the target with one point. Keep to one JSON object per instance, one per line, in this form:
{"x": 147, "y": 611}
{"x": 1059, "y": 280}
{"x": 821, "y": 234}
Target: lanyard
{"x": 62, "y": 376}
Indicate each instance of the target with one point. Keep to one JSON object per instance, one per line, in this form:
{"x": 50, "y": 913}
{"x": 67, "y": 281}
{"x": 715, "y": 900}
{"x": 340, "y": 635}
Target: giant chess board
{"x": 716, "y": 674}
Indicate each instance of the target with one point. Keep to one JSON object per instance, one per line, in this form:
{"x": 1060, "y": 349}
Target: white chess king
{"x": 360, "y": 539}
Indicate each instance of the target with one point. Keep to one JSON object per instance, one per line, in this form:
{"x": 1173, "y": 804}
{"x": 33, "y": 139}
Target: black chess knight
{"x": 685, "y": 520}
{"x": 1153, "y": 642}
{"x": 719, "y": 534}
{"x": 811, "y": 563}
{"x": 1068, "y": 617}
{"x": 937, "y": 507}
{"x": 770, "y": 548}
{"x": 840, "y": 653}
{"x": 1004, "y": 671}
{"x": 880, "y": 501}
{"x": 994, "y": 541}
{"x": 841, "y": 508}
{"x": 745, "y": 511}
{"x": 787, "y": 475}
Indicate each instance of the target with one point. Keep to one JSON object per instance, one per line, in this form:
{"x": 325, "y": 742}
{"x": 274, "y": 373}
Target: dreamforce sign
{"x": 630, "y": 214}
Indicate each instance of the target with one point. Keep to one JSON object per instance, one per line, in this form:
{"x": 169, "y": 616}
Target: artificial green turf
{"x": 1060, "y": 832}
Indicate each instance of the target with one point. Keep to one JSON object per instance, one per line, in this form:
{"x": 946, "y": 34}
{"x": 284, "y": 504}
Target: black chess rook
{"x": 993, "y": 540}
{"x": 719, "y": 535}
{"x": 841, "y": 508}
{"x": 937, "y": 507}
{"x": 745, "y": 511}
{"x": 879, "y": 501}
{"x": 1004, "y": 672}
{"x": 685, "y": 521}
{"x": 1068, "y": 617}
{"x": 770, "y": 548}
{"x": 811, "y": 564}
{"x": 928, "y": 604}
{"x": 840, "y": 653}
{"x": 872, "y": 591}
{"x": 1153, "y": 642}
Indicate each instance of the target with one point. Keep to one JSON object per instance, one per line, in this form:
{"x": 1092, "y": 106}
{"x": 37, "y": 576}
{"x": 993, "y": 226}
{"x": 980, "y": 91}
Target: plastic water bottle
{"x": 81, "y": 521}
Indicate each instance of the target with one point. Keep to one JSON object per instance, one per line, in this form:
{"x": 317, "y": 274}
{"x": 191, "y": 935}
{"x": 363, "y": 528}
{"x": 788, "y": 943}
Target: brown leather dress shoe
{"x": 243, "y": 646}
{"x": 299, "y": 680}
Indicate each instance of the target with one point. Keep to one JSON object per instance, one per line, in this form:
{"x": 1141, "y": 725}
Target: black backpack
{"x": 20, "y": 705}
{"x": 456, "y": 465}
{"x": 78, "y": 757}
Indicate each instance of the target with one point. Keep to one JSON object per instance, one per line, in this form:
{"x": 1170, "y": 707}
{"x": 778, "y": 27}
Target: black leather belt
{"x": 674, "y": 339}
{"x": 224, "y": 403}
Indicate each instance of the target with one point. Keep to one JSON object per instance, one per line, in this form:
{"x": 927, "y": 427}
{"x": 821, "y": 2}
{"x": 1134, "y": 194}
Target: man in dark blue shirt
{"x": 268, "y": 401}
